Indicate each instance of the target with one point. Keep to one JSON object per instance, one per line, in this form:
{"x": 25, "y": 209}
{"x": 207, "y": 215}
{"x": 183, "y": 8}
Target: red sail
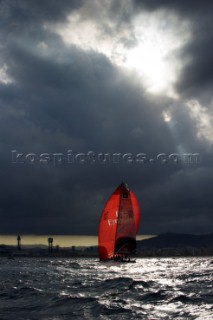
{"x": 118, "y": 224}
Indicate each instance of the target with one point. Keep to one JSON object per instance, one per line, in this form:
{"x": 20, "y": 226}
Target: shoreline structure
{"x": 164, "y": 245}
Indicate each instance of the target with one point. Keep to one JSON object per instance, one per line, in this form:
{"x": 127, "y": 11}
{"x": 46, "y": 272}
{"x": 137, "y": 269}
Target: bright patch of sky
{"x": 203, "y": 118}
{"x": 147, "y": 45}
{"x": 4, "y": 77}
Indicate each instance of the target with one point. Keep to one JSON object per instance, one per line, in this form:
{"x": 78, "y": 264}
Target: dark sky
{"x": 108, "y": 77}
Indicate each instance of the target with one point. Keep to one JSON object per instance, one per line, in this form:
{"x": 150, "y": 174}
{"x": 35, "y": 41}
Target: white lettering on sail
{"x": 112, "y": 222}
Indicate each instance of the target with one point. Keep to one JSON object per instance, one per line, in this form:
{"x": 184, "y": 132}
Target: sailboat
{"x": 118, "y": 226}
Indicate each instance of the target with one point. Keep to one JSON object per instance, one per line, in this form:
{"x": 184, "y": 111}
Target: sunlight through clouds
{"x": 203, "y": 118}
{"x": 147, "y": 45}
{"x": 4, "y": 77}
{"x": 105, "y": 77}
{"x": 167, "y": 116}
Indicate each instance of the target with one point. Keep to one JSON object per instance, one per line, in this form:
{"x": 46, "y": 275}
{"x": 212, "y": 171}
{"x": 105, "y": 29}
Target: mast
{"x": 117, "y": 219}
{"x": 125, "y": 241}
{"x": 121, "y": 239}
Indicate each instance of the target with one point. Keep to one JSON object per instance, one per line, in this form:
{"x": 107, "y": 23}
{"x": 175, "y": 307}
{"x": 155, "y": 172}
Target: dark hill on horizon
{"x": 176, "y": 240}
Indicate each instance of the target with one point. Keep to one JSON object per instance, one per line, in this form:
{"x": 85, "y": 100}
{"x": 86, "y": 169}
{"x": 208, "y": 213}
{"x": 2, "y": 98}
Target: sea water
{"x": 77, "y": 288}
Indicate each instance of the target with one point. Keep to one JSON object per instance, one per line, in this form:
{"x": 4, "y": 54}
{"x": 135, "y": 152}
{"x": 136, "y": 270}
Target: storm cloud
{"x": 71, "y": 78}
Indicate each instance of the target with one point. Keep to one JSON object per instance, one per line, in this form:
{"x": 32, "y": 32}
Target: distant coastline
{"x": 164, "y": 245}
{"x": 61, "y": 240}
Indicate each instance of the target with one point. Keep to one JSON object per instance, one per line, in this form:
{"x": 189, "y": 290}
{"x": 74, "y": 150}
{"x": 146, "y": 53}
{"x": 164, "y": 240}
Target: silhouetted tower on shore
{"x": 50, "y": 242}
{"x": 19, "y": 242}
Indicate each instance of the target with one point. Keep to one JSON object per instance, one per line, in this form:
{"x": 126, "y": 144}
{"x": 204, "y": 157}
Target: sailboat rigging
{"x": 118, "y": 225}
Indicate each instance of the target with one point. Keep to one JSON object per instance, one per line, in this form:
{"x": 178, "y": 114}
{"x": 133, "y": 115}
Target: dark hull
{"x": 119, "y": 260}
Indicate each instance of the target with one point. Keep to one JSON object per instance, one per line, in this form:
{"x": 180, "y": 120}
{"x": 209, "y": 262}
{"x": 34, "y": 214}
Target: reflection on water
{"x": 155, "y": 288}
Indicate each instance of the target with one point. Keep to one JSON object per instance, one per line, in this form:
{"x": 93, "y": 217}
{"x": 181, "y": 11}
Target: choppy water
{"x": 163, "y": 288}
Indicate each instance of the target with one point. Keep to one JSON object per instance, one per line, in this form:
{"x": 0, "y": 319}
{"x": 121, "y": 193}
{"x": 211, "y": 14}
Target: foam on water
{"x": 163, "y": 288}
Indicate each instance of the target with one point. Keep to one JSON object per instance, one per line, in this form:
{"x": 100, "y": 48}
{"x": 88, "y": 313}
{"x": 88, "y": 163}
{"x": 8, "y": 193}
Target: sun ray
{"x": 147, "y": 48}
